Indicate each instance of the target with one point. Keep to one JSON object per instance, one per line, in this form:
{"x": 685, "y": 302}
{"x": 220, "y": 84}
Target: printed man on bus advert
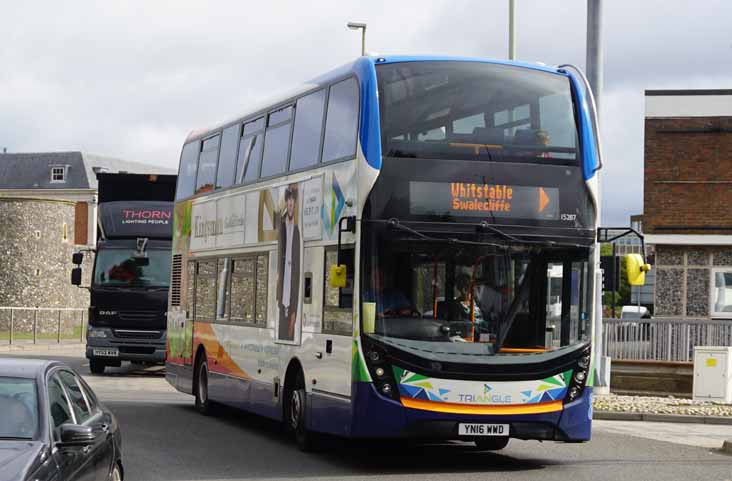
{"x": 288, "y": 279}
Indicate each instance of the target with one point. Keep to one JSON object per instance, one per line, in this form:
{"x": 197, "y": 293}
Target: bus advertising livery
{"x": 404, "y": 247}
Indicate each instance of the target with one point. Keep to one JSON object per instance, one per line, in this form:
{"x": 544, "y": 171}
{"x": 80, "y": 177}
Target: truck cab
{"x": 131, "y": 273}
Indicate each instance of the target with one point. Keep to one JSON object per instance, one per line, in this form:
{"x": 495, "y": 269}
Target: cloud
{"x": 131, "y": 79}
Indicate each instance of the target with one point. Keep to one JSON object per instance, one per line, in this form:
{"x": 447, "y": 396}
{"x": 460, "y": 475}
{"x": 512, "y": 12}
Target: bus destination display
{"x": 467, "y": 199}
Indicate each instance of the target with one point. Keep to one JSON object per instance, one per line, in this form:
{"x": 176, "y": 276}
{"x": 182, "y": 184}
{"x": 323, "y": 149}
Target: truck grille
{"x": 139, "y": 316}
{"x": 137, "y": 334}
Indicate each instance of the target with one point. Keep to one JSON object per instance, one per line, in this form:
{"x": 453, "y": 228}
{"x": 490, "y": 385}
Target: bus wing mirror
{"x": 636, "y": 269}
{"x": 76, "y": 276}
{"x": 77, "y": 258}
{"x": 337, "y": 275}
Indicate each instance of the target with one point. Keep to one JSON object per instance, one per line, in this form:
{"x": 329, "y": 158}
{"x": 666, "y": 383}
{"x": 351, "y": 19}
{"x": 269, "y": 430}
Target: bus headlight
{"x": 578, "y": 380}
{"x": 382, "y": 375}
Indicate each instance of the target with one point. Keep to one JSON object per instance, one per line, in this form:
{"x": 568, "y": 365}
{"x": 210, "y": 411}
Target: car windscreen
{"x": 18, "y": 408}
{"x": 123, "y": 268}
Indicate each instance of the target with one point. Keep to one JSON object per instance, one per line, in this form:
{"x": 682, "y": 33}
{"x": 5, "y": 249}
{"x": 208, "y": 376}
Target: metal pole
{"x": 12, "y": 322}
{"x": 594, "y": 48}
{"x": 512, "y": 29}
{"x": 58, "y": 333}
{"x": 35, "y": 325}
{"x": 363, "y": 41}
{"x": 615, "y": 279}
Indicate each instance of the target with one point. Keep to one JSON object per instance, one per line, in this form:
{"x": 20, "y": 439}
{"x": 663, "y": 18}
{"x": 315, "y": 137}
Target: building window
{"x": 58, "y": 174}
{"x": 721, "y": 295}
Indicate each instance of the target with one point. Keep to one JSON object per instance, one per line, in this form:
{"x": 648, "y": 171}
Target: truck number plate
{"x": 106, "y": 352}
{"x": 483, "y": 429}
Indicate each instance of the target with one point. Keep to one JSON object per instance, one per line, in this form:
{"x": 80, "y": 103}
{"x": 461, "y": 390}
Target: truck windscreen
{"x": 120, "y": 267}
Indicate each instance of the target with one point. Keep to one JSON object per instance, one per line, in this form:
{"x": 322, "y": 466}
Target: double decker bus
{"x": 404, "y": 247}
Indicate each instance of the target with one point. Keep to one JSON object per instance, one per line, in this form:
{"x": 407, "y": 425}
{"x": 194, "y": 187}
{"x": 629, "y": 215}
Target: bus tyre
{"x": 491, "y": 443}
{"x": 96, "y": 366}
{"x": 200, "y": 387}
{"x": 296, "y": 413}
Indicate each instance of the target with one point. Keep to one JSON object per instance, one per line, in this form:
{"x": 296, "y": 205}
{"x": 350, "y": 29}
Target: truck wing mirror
{"x": 338, "y": 275}
{"x": 76, "y": 276}
{"x": 636, "y": 269}
{"x": 77, "y": 258}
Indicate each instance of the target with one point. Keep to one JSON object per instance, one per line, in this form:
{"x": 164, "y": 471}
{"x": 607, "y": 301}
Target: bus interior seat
{"x": 525, "y": 137}
{"x": 480, "y": 136}
{"x": 489, "y": 135}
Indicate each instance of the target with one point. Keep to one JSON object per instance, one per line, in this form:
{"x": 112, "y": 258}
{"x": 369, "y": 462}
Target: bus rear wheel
{"x": 96, "y": 366}
{"x": 295, "y": 417}
{"x": 491, "y": 443}
{"x": 200, "y": 387}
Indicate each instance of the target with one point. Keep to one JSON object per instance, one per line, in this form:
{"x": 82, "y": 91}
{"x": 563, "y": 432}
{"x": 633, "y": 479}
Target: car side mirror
{"x": 76, "y": 276}
{"x": 77, "y": 258}
{"x": 338, "y": 274}
{"x": 76, "y": 435}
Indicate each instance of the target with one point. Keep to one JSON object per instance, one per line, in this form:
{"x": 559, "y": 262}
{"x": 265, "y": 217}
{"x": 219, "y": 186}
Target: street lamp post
{"x": 360, "y": 26}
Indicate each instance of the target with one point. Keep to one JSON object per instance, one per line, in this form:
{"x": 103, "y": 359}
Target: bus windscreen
{"x": 476, "y": 111}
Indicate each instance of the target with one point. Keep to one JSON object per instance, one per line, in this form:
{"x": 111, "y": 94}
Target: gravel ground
{"x": 659, "y": 405}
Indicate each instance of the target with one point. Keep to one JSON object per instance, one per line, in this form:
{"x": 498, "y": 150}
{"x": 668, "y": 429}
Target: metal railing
{"x": 24, "y": 325}
{"x": 662, "y": 339}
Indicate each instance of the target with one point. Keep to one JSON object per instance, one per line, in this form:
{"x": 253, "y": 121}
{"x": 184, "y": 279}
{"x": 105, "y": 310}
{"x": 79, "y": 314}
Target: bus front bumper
{"x": 381, "y": 417}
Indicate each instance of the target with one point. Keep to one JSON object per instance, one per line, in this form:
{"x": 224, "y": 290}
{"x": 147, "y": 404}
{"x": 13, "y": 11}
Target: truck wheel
{"x": 491, "y": 443}
{"x": 96, "y": 366}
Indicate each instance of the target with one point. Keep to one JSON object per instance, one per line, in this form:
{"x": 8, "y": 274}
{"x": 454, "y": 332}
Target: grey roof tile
{"x": 33, "y": 170}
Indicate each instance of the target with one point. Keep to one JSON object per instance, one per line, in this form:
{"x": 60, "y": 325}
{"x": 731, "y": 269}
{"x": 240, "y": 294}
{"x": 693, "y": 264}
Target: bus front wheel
{"x": 491, "y": 443}
{"x": 295, "y": 414}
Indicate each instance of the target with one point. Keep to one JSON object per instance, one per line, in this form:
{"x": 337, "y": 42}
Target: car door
{"x": 88, "y": 413}
{"x": 74, "y": 462}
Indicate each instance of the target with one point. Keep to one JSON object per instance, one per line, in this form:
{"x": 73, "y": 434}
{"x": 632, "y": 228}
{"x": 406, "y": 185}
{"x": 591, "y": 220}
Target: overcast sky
{"x": 131, "y": 79}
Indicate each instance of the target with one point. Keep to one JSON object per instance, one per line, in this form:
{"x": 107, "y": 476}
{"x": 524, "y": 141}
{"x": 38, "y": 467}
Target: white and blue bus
{"x": 403, "y": 247}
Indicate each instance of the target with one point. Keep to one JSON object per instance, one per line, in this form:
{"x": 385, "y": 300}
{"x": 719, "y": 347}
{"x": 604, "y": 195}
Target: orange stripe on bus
{"x": 454, "y": 408}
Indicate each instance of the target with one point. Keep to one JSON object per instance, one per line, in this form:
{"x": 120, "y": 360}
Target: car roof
{"x": 24, "y": 368}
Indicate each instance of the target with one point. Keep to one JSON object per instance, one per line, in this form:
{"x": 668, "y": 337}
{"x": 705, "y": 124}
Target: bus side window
{"x": 187, "y": 171}
{"x": 205, "y": 308}
{"x": 207, "y": 164}
{"x": 222, "y": 289}
{"x": 250, "y": 151}
{"x": 341, "y": 124}
{"x": 249, "y": 290}
{"x": 277, "y": 142}
{"x": 227, "y": 158}
{"x": 243, "y": 290}
{"x": 190, "y": 289}
{"x": 308, "y": 127}
{"x": 338, "y": 303}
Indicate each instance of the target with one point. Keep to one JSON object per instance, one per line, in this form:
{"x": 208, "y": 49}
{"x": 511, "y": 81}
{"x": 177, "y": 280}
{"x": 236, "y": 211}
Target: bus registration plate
{"x": 483, "y": 429}
{"x": 106, "y": 352}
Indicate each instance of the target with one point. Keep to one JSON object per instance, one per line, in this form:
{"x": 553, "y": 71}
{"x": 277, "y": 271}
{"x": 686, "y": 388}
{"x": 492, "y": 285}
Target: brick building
{"x": 687, "y": 200}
